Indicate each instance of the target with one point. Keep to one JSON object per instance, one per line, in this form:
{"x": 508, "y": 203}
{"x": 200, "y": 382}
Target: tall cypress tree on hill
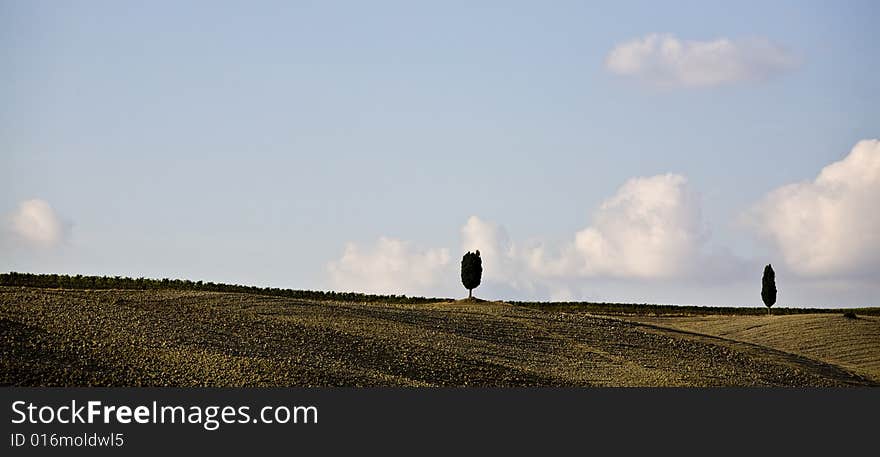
{"x": 768, "y": 287}
{"x": 471, "y": 271}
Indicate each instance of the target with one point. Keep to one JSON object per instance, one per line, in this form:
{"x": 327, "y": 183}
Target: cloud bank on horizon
{"x": 665, "y": 60}
{"x": 651, "y": 229}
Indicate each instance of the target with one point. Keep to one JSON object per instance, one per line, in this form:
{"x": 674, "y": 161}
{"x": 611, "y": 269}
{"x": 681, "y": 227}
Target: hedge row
{"x": 118, "y": 282}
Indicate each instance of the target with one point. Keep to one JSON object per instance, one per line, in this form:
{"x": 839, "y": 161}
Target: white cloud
{"x": 829, "y": 226}
{"x": 36, "y": 223}
{"x": 651, "y": 228}
{"x": 665, "y": 60}
{"x": 391, "y": 266}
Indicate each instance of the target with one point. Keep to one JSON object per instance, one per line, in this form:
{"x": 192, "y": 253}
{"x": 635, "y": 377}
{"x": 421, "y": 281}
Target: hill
{"x": 162, "y": 337}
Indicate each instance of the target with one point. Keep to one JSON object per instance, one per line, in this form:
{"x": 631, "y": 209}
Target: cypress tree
{"x": 768, "y": 287}
{"x": 471, "y": 271}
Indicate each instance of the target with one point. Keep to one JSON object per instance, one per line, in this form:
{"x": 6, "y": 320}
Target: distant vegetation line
{"x": 56, "y": 281}
{"x": 118, "y": 282}
{"x": 644, "y": 308}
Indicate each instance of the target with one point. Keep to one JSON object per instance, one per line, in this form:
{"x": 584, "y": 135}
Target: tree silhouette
{"x": 768, "y": 287}
{"x": 471, "y": 271}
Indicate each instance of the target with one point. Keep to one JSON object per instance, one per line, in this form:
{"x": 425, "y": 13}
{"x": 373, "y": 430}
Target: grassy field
{"x": 199, "y": 338}
{"x": 853, "y": 344}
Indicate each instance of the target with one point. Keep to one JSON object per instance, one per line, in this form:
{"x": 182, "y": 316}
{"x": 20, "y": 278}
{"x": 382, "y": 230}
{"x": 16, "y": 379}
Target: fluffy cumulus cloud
{"x": 829, "y": 226}
{"x": 34, "y": 222}
{"x": 651, "y": 228}
{"x": 665, "y": 60}
{"x": 391, "y": 266}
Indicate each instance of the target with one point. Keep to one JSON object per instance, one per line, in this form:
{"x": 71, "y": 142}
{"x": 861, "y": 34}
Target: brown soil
{"x": 180, "y": 338}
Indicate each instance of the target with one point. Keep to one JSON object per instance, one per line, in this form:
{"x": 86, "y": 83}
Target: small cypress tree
{"x": 768, "y": 287}
{"x": 471, "y": 271}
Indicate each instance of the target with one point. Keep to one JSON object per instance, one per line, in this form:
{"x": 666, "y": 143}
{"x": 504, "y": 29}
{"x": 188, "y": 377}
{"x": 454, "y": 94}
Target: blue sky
{"x": 626, "y": 151}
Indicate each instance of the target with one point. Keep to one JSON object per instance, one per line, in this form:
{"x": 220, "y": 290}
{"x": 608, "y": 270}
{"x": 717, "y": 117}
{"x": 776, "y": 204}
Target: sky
{"x": 605, "y": 151}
